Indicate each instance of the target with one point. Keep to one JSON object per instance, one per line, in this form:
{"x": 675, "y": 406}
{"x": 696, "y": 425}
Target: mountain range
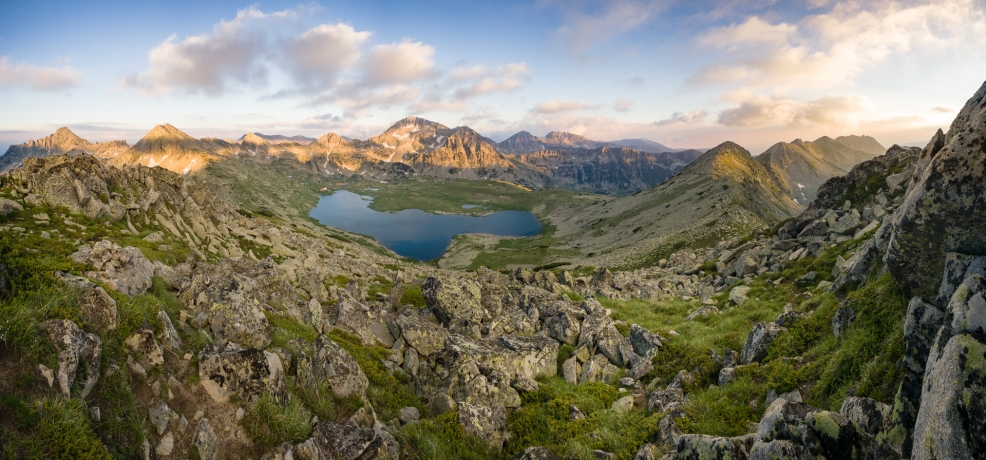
{"x": 419, "y": 146}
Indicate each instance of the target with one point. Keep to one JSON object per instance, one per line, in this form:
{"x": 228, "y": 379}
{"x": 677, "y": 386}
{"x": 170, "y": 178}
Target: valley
{"x": 201, "y": 310}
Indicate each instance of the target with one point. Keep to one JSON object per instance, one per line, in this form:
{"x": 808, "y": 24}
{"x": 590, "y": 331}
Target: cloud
{"x": 321, "y": 54}
{"x": 696, "y": 116}
{"x": 37, "y": 78}
{"x": 234, "y": 52}
{"x": 942, "y": 109}
{"x": 622, "y": 105}
{"x": 556, "y": 106}
{"x": 760, "y": 111}
{"x": 831, "y": 49}
{"x": 584, "y": 29}
{"x": 498, "y": 80}
{"x": 400, "y": 62}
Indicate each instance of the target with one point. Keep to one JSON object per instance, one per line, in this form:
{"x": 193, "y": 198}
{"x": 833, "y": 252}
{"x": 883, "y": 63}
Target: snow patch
{"x": 152, "y": 163}
{"x": 189, "y": 167}
{"x": 801, "y": 186}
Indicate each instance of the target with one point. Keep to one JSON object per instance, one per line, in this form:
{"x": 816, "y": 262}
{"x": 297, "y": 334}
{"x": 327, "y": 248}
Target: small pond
{"x": 412, "y": 232}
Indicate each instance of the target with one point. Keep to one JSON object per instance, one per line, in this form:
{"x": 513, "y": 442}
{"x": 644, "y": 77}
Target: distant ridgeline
{"x": 415, "y": 146}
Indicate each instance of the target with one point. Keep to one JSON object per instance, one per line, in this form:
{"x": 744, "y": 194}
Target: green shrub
{"x": 413, "y": 296}
{"x": 442, "y": 438}
{"x": 723, "y": 411}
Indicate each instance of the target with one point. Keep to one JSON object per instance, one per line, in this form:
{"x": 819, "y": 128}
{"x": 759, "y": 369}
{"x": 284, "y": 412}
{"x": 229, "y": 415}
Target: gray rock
{"x": 643, "y": 341}
{"x": 870, "y": 415}
{"x": 124, "y": 269}
{"x": 789, "y": 319}
{"x": 760, "y": 338}
{"x": 941, "y": 212}
{"x": 524, "y": 384}
{"x": 702, "y": 447}
{"x": 246, "y": 373}
{"x": 624, "y": 404}
{"x": 665, "y": 400}
{"x": 240, "y": 321}
{"x": 161, "y": 415}
{"x": 440, "y": 404}
{"x": 707, "y": 310}
{"x": 331, "y": 363}
{"x": 423, "y": 336}
{"x": 169, "y": 335}
{"x": 727, "y": 375}
{"x": 571, "y": 370}
{"x": 488, "y": 424}
{"x": 782, "y": 420}
{"x": 779, "y": 449}
{"x": 564, "y": 328}
{"x": 953, "y": 406}
{"x": 166, "y": 445}
{"x": 205, "y": 441}
{"x": 648, "y": 451}
{"x": 345, "y": 442}
{"x": 842, "y": 319}
{"x": 75, "y": 347}
{"x": 613, "y": 345}
{"x": 454, "y": 299}
{"x": 144, "y": 345}
{"x": 847, "y": 224}
{"x": 9, "y": 206}
{"x": 746, "y": 265}
{"x": 409, "y": 414}
{"x": 98, "y": 309}
{"x": 738, "y": 294}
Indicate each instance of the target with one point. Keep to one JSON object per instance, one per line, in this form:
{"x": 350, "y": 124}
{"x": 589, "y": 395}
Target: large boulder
{"x": 424, "y": 336}
{"x": 643, "y": 341}
{"x": 942, "y": 211}
{"x": 454, "y": 299}
{"x": 346, "y": 442}
{"x": 241, "y": 321}
{"x": 245, "y": 373}
{"x": 331, "y": 363}
{"x": 762, "y": 335}
{"x": 563, "y": 327}
{"x": 98, "y": 309}
{"x": 486, "y": 423}
{"x": 702, "y": 447}
{"x": 75, "y": 347}
{"x": 204, "y": 440}
{"x": 124, "y": 269}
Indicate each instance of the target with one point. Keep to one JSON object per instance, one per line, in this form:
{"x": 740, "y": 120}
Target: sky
{"x": 685, "y": 73}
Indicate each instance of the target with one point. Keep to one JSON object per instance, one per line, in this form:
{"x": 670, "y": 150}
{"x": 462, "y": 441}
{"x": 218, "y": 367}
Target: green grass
{"x": 413, "y": 296}
{"x": 723, "y": 411}
{"x": 56, "y": 428}
{"x": 121, "y": 419}
{"x": 270, "y": 423}
{"x": 442, "y": 438}
{"x": 387, "y": 393}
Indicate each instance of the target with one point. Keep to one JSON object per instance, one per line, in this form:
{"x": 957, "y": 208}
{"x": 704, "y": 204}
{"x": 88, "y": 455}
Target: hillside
{"x": 606, "y": 169}
{"x": 62, "y": 141}
{"x": 801, "y": 167}
{"x": 724, "y": 192}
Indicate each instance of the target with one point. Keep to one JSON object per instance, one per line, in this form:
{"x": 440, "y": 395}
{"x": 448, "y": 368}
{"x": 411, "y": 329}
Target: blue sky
{"x": 683, "y": 73}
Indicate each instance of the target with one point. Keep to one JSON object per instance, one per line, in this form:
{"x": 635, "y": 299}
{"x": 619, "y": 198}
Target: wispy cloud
{"x": 759, "y": 110}
{"x": 36, "y": 77}
{"x": 677, "y": 118}
{"x": 588, "y": 24}
{"x": 557, "y": 106}
{"x": 622, "y": 105}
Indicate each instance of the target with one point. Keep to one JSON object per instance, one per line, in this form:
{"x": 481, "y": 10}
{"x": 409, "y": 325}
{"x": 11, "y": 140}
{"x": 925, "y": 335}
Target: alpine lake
{"x": 415, "y": 233}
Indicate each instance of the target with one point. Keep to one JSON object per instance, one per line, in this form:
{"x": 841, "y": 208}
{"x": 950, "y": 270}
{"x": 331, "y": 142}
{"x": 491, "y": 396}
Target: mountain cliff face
{"x": 801, "y": 167}
{"x": 606, "y": 169}
{"x": 522, "y": 142}
{"x": 863, "y": 144}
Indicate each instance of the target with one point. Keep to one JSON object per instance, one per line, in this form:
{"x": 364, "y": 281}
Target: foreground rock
{"x": 75, "y": 348}
{"x": 245, "y": 373}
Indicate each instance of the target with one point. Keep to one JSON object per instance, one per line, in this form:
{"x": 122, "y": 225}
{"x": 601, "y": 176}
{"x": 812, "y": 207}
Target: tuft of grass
{"x": 284, "y": 329}
{"x": 723, "y": 411}
{"x": 121, "y": 420}
{"x": 54, "y": 428}
{"x": 442, "y": 438}
{"x": 413, "y": 296}
{"x": 270, "y": 423}
{"x": 323, "y": 403}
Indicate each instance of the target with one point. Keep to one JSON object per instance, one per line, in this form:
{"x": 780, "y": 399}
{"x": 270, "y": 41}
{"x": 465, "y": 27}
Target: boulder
{"x": 9, "y": 206}
{"x": 204, "y": 441}
{"x": 870, "y": 415}
{"x": 98, "y": 309}
{"x": 847, "y": 224}
{"x": 738, "y": 294}
{"x": 454, "y": 298}
{"x": 746, "y": 265}
{"x": 245, "y": 373}
{"x": 702, "y": 447}
{"x": 75, "y": 347}
{"x": 331, "y": 363}
{"x": 488, "y": 424}
{"x": 665, "y": 400}
{"x": 953, "y": 402}
{"x": 124, "y": 269}
{"x": 782, "y": 421}
{"x": 564, "y": 328}
{"x": 643, "y": 340}
{"x": 161, "y": 415}
{"x": 760, "y": 338}
{"x": 144, "y": 345}
{"x": 942, "y": 211}
{"x": 241, "y": 321}
{"x": 779, "y": 449}
{"x": 613, "y": 345}
{"x": 707, "y": 310}
{"x": 346, "y": 442}
{"x": 424, "y": 336}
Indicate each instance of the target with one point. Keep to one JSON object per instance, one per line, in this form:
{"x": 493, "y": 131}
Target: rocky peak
{"x": 563, "y": 139}
{"x": 166, "y": 131}
{"x": 862, "y": 143}
{"x": 253, "y": 138}
{"x": 414, "y": 122}
{"x": 331, "y": 139}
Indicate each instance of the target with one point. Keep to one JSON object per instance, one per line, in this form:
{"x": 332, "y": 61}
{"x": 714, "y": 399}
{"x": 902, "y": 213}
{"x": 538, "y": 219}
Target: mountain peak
{"x": 166, "y": 131}
{"x": 253, "y": 138}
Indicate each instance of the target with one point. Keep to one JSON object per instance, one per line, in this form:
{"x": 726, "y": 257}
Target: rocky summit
{"x": 174, "y": 300}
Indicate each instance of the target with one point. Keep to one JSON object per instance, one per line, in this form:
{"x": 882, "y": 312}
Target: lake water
{"x": 412, "y": 232}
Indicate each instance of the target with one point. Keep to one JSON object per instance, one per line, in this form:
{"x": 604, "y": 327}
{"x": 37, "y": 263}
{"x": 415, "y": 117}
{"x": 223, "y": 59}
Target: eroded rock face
{"x": 331, "y": 363}
{"x": 97, "y": 307}
{"x": 75, "y": 347}
{"x": 246, "y": 373}
{"x": 941, "y": 212}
